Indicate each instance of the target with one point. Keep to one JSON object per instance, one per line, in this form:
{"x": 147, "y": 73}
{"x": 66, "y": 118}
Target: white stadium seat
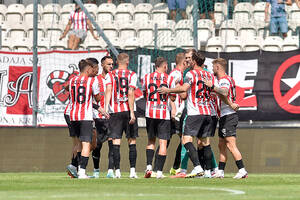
{"x": 142, "y": 12}
{"x": 21, "y": 44}
{"x": 127, "y": 30}
{"x": 17, "y": 30}
{"x": 124, "y": 12}
{"x": 160, "y": 12}
{"x": 28, "y": 15}
{"x": 252, "y": 44}
{"x": 91, "y": 44}
{"x": 106, "y": 12}
{"x": 51, "y": 13}
{"x": 233, "y": 44}
{"x": 185, "y": 43}
{"x": 214, "y": 44}
{"x": 272, "y": 43}
{"x": 228, "y": 29}
{"x": 65, "y": 13}
{"x": 15, "y": 13}
{"x": 183, "y": 29}
{"x": 205, "y": 30}
{"x": 168, "y": 43}
{"x": 110, "y": 29}
{"x": 220, "y": 13}
{"x": 290, "y": 43}
{"x": 6, "y": 44}
{"x": 166, "y": 28}
{"x": 131, "y": 43}
{"x": 145, "y": 32}
{"x": 92, "y": 9}
{"x": 259, "y": 14}
{"x": 247, "y": 30}
{"x": 243, "y": 12}
{"x": 41, "y": 31}
{"x": 295, "y": 15}
{"x": 54, "y": 31}
{"x": 58, "y": 44}
{"x": 42, "y": 44}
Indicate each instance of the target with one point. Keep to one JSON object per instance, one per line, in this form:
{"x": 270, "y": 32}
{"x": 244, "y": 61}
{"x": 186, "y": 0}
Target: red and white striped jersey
{"x": 101, "y": 82}
{"x": 78, "y": 20}
{"x": 199, "y": 95}
{"x": 228, "y": 83}
{"x": 178, "y": 79}
{"x": 157, "y": 105}
{"x": 215, "y": 104}
{"x": 82, "y": 89}
{"x": 121, "y": 80}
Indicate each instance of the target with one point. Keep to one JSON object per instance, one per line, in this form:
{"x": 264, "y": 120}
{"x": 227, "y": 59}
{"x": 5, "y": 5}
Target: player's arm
{"x": 107, "y": 96}
{"x": 68, "y": 27}
{"x": 131, "y": 100}
{"x": 101, "y": 110}
{"x": 234, "y": 106}
{"x": 91, "y": 29}
{"x": 215, "y": 88}
{"x": 178, "y": 89}
{"x": 173, "y": 109}
{"x": 289, "y": 2}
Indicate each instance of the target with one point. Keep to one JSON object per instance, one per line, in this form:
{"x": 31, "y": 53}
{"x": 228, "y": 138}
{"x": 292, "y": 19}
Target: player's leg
{"x": 191, "y": 129}
{"x": 207, "y": 156}
{"x": 72, "y": 168}
{"x": 110, "y": 172}
{"x": 86, "y": 129}
{"x": 175, "y": 129}
{"x": 151, "y": 128}
{"x": 96, "y": 154}
{"x": 164, "y": 134}
{"x": 182, "y": 8}
{"x": 172, "y": 8}
{"x": 76, "y": 42}
{"x": 231, "y": 145}
{"x": 71, "y": 41}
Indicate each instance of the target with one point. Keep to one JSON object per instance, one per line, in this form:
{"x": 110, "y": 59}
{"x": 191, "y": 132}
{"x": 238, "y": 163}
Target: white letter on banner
{"x": 244, "y": 73}
{"x": 2, "y": 74}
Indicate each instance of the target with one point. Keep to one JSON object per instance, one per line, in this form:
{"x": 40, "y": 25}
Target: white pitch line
{"x": 235, "y": 192}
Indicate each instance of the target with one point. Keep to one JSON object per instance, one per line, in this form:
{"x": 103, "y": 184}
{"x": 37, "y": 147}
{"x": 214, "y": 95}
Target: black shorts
{"x": 214, "y": 122}
{"x": 227, "y": 125}
{"x": 206, "y": 6}
{"x": 83, "y": 130}
{"x": 198, "y": 126}
{"x": 159, "y": 128}
{"x": 71, "y": 129}
{"x": 119, "y": 122}
{"x": 102, "y": 130}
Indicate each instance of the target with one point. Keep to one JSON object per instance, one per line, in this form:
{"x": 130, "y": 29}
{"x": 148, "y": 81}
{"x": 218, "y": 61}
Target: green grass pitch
{"x": 38, "y": 186}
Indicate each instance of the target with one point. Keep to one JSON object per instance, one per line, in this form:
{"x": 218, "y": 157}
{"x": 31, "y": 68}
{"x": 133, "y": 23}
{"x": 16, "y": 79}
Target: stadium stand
{"x": 134, "y": 22}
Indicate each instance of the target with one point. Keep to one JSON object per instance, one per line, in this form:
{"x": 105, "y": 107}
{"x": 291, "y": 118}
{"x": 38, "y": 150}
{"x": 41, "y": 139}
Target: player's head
{"x": 95, "y": 65}
{"x": 123, "y": 59}
{"x": 161, "y": 63}
{"x": 77, "y": 7}
{"x": 84, "y": 66}
{"x": 180, "y": 59}
{"x": 198, "y": 59}
{"x": 107, "y": 63}
{"x": 188, "y": 56}
{"x": 219, "y": 65}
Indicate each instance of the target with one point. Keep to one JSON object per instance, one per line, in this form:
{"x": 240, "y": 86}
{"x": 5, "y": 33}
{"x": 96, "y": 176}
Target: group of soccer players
{"x": 189, "y": 101}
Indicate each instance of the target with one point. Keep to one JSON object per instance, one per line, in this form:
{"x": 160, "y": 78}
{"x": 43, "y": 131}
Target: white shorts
{"x": 79, "y": 33}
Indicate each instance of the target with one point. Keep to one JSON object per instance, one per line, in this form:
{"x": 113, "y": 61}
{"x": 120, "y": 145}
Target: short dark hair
{"x": 82, "y": 65}
{"x": 106, "y": 57}
{"x": 190, "y": 50}
{"x": 198, "y": 57}
{"x": 94, "y": 61}
{"x": 159, "y": 61}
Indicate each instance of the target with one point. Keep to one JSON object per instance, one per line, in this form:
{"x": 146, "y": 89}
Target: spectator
{"x": 278, "y": 16}
{"x": 206, "y": 7}
{"x": 172, "y": 7}
{"x": 79, "y": 22}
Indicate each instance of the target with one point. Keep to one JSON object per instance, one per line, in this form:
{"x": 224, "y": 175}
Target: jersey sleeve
{"x": 177, "y": 77}
{"x": 216, "y": 82}
{"x": 224, "y": 83}
{"x": 95, "y": 87}
{"x": 189, "y": 78}
{"x": 133, "y": 81}
{"x": 71, "y": 16}
{"x": 108, "y": 79}
{"x": 143, "y": 82}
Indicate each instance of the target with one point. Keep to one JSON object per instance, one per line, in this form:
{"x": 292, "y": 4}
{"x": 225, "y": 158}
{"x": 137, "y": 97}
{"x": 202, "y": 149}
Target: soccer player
{"x": 82, "y": 89}
{"x": 198, "y": 122}
{"x": 177, "y": 108}
{"x": 119, "y": 101}
{"x": 101, "y": 123}
{"x": 157, "y": 114}
{"x": 228, "y": 120}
